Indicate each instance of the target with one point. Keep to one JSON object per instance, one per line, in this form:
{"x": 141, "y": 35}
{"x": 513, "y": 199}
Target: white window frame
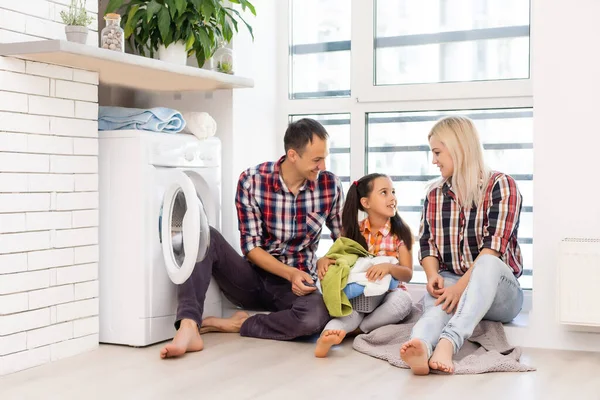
{"x": 362, "y": 73}
{"x": 366, "y": 98}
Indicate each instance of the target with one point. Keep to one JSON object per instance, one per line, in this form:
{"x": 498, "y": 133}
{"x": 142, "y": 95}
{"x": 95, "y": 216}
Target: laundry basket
{"x": 366, "y": 304}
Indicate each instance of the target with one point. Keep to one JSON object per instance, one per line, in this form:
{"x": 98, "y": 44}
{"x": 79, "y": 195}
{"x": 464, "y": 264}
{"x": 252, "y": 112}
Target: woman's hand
{"x": 378, "y": 271}
{"x": 450, "y": 297}
{"x": 323, "y": 266}
{"x": 435, "y": 285}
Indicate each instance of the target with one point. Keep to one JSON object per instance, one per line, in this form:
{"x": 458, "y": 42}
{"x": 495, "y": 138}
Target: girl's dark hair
{"x": 363, "y": 188}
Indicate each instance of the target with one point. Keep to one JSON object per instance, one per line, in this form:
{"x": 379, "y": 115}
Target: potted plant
{"x": 76, "y": 20}
{"x": 178, "y": 29}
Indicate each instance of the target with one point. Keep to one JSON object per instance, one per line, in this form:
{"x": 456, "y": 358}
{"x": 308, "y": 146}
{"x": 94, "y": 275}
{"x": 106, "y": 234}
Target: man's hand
{"x": 435, "y": 285}
{"x": 297, "y": 278}
{"x": 323, "y": 266}
{"x": 378, "y": 271}
{"x": 450, "y": 298}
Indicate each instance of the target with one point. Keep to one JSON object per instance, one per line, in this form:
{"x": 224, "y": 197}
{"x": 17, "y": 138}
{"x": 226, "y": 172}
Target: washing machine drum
{"x": 184, "y": 229}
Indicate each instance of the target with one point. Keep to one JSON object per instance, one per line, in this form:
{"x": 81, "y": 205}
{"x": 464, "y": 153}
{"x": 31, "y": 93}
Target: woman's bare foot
{"x": 187, "y": 339}
{"x": 414, "y": 353}
{"x": 328, "y": 339}
{"x": 232, "y": 324}
{"x": 441, "y": 359}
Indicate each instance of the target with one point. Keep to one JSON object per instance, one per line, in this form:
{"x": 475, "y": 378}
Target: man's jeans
{"x": 252, "y": 288}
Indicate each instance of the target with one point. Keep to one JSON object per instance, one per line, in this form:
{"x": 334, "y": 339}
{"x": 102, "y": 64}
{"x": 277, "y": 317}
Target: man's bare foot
{"x": 328, "y": 339}
{"x": 414, "y": 353}
{"x": 187, "y": 339}
{"x": 441, "y": 359}
{"x": 232, "y": 324}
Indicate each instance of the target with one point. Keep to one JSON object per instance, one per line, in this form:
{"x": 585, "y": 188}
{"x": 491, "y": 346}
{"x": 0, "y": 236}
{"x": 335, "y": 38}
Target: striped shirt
{"x": 382, "y": 242}
{"x": 456, "y": 235}
{"x": 285, "y": 225}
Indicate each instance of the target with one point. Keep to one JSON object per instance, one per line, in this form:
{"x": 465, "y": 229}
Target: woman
{"x": 468, "y": 248}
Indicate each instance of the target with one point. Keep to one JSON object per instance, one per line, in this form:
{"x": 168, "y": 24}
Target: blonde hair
{"x": 471, "y": 175}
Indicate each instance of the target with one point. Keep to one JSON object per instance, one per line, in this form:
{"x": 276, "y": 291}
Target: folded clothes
{"x": 354, "y": 289}
{"x": 358, "y": 274}
{"x": 199, "y": 124}
{"x": 158, "y": 119}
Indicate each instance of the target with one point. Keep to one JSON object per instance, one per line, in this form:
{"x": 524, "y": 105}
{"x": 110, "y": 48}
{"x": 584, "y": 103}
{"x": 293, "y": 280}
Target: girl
{"x": 468, "y": 248}
{"x": 382, "y": 233}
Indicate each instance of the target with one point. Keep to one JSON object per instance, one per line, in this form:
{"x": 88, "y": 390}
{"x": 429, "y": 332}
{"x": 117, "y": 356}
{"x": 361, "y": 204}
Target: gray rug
{"x": 486, "y": 351}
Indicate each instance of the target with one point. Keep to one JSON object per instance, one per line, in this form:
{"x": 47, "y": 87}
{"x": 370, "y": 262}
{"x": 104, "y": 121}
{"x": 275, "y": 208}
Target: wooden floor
{"x": 238, "y": 368}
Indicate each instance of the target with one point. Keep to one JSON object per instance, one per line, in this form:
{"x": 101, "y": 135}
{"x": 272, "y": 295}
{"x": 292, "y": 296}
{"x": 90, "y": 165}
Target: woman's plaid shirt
{"x": 456, "y": 235}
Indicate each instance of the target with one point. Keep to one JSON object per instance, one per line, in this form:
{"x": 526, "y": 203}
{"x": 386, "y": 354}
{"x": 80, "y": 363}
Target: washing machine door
{"x": 185, "y": 233}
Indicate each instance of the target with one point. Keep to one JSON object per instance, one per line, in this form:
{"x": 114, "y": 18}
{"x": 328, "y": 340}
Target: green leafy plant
{"x": 77, "y": 14}
{"x": 201, "y": 24}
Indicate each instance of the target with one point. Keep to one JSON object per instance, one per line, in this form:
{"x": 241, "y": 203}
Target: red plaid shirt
{"x": 456, "y": 235}
{"x": 381, "y": 242}
{"x": 286, "y": 226}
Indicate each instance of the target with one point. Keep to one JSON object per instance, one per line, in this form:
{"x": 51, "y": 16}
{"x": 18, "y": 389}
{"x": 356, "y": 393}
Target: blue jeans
{"x": 493, "y": 293}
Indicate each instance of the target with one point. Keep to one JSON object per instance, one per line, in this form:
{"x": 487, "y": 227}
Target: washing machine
{"x": 159, "y": 192}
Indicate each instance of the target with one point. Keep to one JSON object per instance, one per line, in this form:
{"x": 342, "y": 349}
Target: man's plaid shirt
{"x": 287, "y": 226}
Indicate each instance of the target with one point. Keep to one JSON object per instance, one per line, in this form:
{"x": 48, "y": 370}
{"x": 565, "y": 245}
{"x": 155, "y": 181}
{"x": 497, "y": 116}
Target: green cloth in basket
{"x": 345, "y": 252}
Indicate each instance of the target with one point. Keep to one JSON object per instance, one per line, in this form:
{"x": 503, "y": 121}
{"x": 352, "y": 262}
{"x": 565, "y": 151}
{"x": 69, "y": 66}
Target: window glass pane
{"x": 397, "y": 146}
{"x": 338, "y": 161}
{"x": 429, "y": 41}
{"x": 320, "y": 49}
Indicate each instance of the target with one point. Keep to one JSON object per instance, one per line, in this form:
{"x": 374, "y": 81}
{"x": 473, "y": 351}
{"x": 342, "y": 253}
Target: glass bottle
{"x": 223, "y": 59}
{"x": 112, "y": 36}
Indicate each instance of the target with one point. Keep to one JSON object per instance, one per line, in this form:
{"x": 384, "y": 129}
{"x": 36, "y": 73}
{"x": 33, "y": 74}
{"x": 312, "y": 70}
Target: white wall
{"x": 566, "y": 84}
{"x": 246, "y": 118}
{"x": 48, "y": 197}
{"x": 256, "y": 137}
{"x": 26, "y": 20}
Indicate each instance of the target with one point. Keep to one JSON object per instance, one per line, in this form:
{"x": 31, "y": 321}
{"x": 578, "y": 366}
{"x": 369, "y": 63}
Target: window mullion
{"x": 362, "y": 56}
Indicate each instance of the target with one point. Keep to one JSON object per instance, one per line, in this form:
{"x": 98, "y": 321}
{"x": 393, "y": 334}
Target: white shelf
{"x": 126, "y": 70}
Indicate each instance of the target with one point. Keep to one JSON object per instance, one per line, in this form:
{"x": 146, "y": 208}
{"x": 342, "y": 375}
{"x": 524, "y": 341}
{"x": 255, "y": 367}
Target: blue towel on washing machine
{"x": 158, "y": 119}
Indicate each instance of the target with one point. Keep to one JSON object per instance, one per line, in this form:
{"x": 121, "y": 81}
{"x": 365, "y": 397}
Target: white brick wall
{"x": 48, "y": 195}
{"x": 39, "y": 19}
{"x": 13, "y": 343}
{"x": 50, "y": 334}
{"x": 77, "y": 273}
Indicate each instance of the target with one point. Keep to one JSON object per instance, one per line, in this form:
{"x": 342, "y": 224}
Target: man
{"x": 281, "y": 209}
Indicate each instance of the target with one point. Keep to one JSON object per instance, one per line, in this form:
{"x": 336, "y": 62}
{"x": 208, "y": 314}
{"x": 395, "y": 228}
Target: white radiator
{"x": 579, "y": 282}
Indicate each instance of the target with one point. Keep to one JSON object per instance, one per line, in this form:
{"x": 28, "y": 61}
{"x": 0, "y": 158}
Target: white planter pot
{"x": 175, "y": 53}
{"x": 77, "y": 34}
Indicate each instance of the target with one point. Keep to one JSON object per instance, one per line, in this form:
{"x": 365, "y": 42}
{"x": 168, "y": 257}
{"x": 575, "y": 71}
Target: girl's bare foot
{"x": 187, "y": 339}
{"x": 441, "y": 359}
{"x": 414, "y": 353}
{"x": 232, "y": 324}
{"x": 328, "y": 338}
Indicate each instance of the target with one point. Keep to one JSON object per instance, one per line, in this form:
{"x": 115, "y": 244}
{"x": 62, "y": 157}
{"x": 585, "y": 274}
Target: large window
{"x": 430, "y": 41}
{"x": 397, "y": 146}
{"x": 379, "y": 73}
{"x": 320, "y": 49}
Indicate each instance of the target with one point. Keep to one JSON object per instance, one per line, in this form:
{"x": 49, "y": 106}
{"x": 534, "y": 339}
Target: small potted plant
{"x": 178, "y": 29}
{"x": 76, "y": 20}
{"x": 225, "y": 67}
